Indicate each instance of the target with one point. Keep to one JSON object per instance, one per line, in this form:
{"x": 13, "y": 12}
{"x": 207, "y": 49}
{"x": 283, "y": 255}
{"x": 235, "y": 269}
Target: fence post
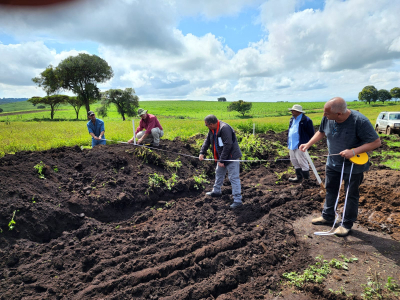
{"x": 134, "y": 135}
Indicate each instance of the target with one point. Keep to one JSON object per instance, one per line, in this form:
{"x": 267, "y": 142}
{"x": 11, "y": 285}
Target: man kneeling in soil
{"x": 348, "y": 133}
{"x": 225, "y": 147}
{"x": 153, "y": 128}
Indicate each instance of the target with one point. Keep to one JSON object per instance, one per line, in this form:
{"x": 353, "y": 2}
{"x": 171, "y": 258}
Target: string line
{"x": 209, "y": 159}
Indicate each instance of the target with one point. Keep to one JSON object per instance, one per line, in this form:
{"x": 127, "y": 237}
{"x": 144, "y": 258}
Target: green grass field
{"x": 196, "y": 110}
{"x": 34, "y": 131}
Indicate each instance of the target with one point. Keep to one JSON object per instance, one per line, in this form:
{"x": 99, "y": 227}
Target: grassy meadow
{"x": 35, "y": 131}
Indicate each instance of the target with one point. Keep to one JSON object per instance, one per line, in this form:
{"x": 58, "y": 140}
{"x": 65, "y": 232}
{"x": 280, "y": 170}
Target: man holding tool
{"x": 153, "y": 128}
{"x": 301, "y": 130}
{"x": 96, "y": 129}
{"x": 221, "y": 137}
{"x": 348, "y": 134}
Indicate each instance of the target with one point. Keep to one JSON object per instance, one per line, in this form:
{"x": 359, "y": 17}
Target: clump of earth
{"x": 96, "y": 227}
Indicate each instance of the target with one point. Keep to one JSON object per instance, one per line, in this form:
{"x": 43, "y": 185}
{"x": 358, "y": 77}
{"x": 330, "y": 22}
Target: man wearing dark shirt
{"x": 348, "y": 133}
{"x": 153, "y": 128}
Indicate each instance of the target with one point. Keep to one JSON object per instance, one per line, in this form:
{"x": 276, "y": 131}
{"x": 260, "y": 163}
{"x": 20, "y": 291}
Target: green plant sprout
{"x": 12, "y": 223}
{"x": 169, "y": 204}
{"x": 200, "y": 180}
{"x": 174, "y": 164}
{"x": 39, "y": 167}
{"x": 156, "y": 180}
{"x": 55, "y": 168}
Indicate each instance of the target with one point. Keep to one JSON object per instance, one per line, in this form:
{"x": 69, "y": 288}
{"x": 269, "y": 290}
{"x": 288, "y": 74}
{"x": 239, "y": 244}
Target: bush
{"x": 1, "y": 110}
{"x": 41, "y": 107}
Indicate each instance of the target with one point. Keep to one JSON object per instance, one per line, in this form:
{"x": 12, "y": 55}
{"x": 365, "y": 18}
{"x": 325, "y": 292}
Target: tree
{"x": 384, "y": 95}
{"x": 77, "y": 103}
{"x": 81, "y": 73}
{"x": 48, "y": 80}
{"x": 125, "y": 100}
{"x": 395, "y": 92}
{"x": 240, "y": 106}
{"x": 221, "y": 99}
{"x": 1, "y": 110}
{"x": 53, "y": 101}
{"x": 368, "y": 94}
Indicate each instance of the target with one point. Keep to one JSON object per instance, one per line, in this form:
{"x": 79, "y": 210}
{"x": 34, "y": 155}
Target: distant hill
{"x": 10, "y": 100}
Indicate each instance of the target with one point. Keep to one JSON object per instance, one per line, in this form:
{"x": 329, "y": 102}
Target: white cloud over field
{"x": 303, "y": 53}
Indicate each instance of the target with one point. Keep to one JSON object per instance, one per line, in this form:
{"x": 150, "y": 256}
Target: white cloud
{"x": 21, "y": 62}
{"x": 212, "y": 9}
{"x": 306, "y": 54}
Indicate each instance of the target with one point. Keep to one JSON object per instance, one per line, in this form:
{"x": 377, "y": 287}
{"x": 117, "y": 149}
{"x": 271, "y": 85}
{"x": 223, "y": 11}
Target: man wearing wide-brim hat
{"x": 301, "y": 130}
{"x": 153, "y": 128}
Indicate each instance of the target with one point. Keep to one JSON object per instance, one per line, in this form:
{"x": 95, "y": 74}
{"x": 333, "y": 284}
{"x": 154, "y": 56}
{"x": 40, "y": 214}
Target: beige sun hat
{"x": 141, "y": 111}
{"x": 298, "y": 108}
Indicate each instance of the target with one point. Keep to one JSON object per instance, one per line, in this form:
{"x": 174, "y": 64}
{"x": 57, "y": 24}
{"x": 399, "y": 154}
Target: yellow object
{"x": 360, "y": 159}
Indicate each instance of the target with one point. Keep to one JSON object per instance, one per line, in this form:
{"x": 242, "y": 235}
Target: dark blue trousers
{"x": 332, "y": 182}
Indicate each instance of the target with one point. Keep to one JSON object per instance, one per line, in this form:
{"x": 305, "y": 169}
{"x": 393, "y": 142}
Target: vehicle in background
{"x": 388, "y": 122}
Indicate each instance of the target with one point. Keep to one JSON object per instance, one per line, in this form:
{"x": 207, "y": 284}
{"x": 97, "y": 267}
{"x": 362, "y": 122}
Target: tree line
{"x": 80, "y": 74}
{"x": 371, "y": 94}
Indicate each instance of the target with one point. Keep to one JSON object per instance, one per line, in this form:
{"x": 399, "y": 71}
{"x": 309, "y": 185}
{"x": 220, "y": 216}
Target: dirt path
{"x": 96, "y": 229}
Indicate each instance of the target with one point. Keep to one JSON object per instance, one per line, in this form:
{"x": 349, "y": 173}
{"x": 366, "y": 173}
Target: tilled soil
{"x": 95, "y": 228}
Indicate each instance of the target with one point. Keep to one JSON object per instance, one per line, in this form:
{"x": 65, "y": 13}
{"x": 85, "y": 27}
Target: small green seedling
{"x": 39, "y": 167}
{"x": 200, "y": 180}
{"x": 55, "y": 168}
{"x": 12, "y": 223}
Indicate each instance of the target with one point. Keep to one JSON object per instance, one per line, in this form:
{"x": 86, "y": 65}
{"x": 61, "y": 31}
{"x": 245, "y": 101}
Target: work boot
{"x": 306, "y": 174}
{"x": 154, "y": 144}
{"x": 214, "y": 194}
{"x": 299, "y": 176}
{"x": 321, "y": 221}
{"x": 341, "y": 231}
{"x": 235, "y": 205}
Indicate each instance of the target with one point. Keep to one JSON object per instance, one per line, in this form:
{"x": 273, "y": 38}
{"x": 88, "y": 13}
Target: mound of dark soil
{"x": 125, "y": 222}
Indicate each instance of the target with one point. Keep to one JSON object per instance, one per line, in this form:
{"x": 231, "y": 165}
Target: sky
{"x": 253, "y": 50}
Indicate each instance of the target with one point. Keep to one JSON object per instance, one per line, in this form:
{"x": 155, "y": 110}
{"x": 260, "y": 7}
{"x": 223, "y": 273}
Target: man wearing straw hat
{"x": 301, "y": 130}
{"x": 348, "y": 133}
{"x": 153, "y": 128}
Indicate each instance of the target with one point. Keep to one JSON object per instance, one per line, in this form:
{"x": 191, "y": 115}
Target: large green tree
{"x": 81, "y": 74}
{"x": 368, "y": 94}
{"x": 395, "y": 92}
{"x": 48, "y": 80}
{"x": 384, "y": 95}
{"x": 240, "y": 106}
{"x": 53, "y": 101}
{"x": 126, "y": 102}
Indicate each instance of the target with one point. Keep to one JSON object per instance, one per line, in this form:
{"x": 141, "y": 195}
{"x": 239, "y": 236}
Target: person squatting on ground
{"x": 96, "y": 129}
{"x": 153, "y": 128}
{"x": 348, "y": 133}
{"x": 221, "y": 137}
{"x": 301, "y": 130}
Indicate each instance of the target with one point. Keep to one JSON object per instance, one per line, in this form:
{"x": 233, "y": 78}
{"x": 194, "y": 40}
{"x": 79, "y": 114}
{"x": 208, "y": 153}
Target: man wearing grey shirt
{"x": 348, "y": 133}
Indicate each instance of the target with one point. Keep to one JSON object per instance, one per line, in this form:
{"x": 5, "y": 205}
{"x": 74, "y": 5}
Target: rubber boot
{"x": 306, "y": 174}
{"x": 299, "y": 176}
